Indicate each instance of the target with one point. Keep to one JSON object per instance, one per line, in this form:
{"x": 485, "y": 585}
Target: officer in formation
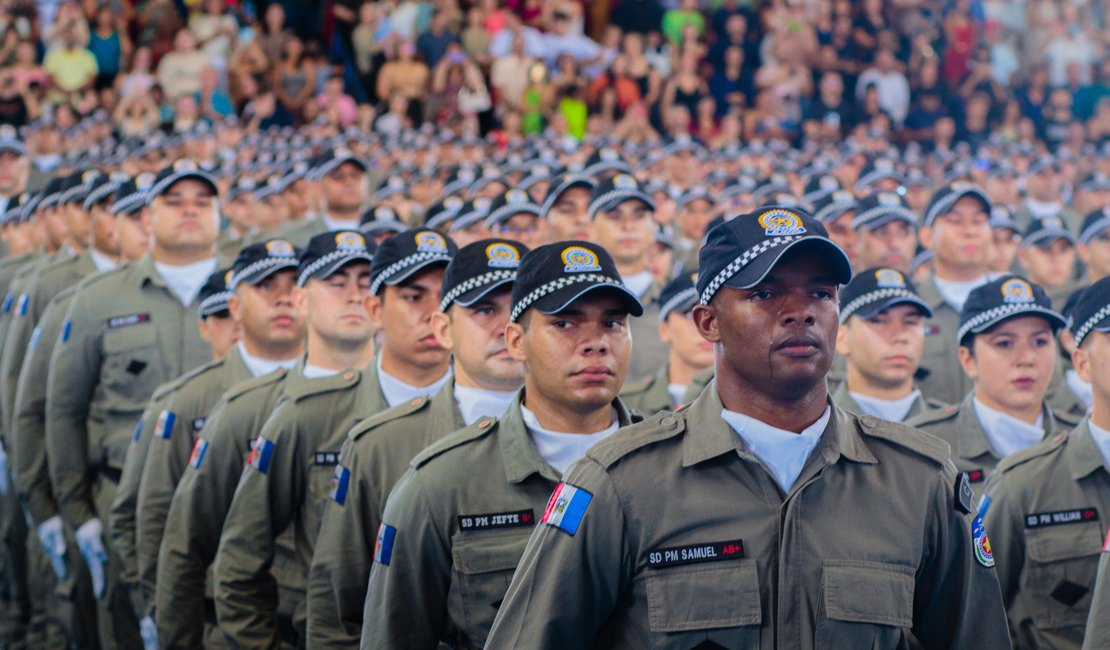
{"x": 185, "y": 454}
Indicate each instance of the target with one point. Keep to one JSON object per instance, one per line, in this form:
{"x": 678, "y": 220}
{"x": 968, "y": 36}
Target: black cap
{"x": 1001, "y": 219}
{"x": 606, "y": 159}
{"x": 696, "y": 193}
{"x": 333, "y": 158}
{"x": 820, "y": 186}
{"x": 1007, "y": 297}
{"x": 510, "y": 203}
{"x": 17, "y": 205}
{"x": 52, "y": 192}
{"x": 740, "y": 252}
{"x": 214, "y": 294}
{"x": 10, "y": 141}
{"x": 553, "y": 276}
{"x": 881, "y": 208}
{"x": 99, "y": 189}
{"x": 877, "y": 289}
{"x": 1042, "y": 232}
{"x": 328, "y": 252}
{"x": 479, "y": 268}
{"x": 131, "y": 194}
{"x": 471, "y": 213}
{"x": 876, "y": 171}
{"x": 1094, "y": 224}
{"x": 179, "y": 171}
{"x": 563, "y": 182}
{"x": 242, "y": 187}
{"x": 613, "y": 191}
{"x": 257, "y": 262}
{"x": 678, "y": 295}
{"x": 408, "y": 252}
{"x": 1091, "y": 312}
{"x": 382, "y": 218}
{"x": 443, "y": 212}
{"x": 833, "y": 205}
{"x": 77, "y": 186}
{"x": 947, "y": 196}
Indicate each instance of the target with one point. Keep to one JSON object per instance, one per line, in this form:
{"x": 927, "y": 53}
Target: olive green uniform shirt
{"x": 8, "y": 311}
{"x": 649, "y": 395}
{"x": 972, "y": 452}
{"x": 687, "y": 539}
{"x": 842, "y": 398}
{"x": 375, "y": 455}
{"x": 200, "y": 503}
{"x": 1047, "y": 513}
{"x": 697, "y": 385}
{"x": 943, "y": 379}
{"x": 174, "y": 437}
{"x": 125, "y": 334}
{"x": 1098, "y": 621}
{"x": 287, "y": 485}
{"x": 648, "y": 350}
{"x": 461, "y": 516}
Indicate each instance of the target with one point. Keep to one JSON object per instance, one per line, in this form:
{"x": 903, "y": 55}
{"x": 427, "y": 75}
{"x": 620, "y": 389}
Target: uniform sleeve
{"x": 341, "y": 563}
{"x": 957, "y": 603}
{"x": 192, "y": 534}
{"x": 74, "y": 374}
{"x": 406, "y": 599}
{"x": 125, "y": 506}
{"x": 28, "y": 433}
{"x": 165, "y": 463}
{"x": 270, "y": 491}
{"x": 1007, "y": 533}
{"x": 566, "y": 586}
{"x": 1098, "y": 619}
{"x": 16, "y": 342}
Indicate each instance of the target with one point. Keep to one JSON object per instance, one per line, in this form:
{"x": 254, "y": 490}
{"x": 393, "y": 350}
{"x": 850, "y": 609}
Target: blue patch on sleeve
{"x": 984, "y": 503}
{"x": 138, "y": 431}
{"x": 35, "y": 336}
{"x": 164, "y": 427}
{"x": 66, "y": 329}
{"x": 24, "y": 301}
{"x": 566, "y": 507}
{"x": 261, "y": 454}
{"x": 8, "y": 300}
{"x": 383, "y": 548}
{"x": 339, "y": 482}
{"x": 199, "y": 449}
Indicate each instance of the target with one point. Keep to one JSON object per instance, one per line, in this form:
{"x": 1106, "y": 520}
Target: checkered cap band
{"x": 330, "y": 258}
{"x": 1092, "y": 231}
{"x": 1089, "y": 325}
{"x": 875, "y": 296}
{"x": 618, "y": 195}
{"x": 861, "y": 218}
{"x": 680, "y": 298}
{"x": 746, "y": 258}
{"x": 260, "y": 265}
{"x": 562, "y": 283}
{"x": 401, "y": 265}
{"x": 213, "y": 304}
{"x": 1000, "y": 312}
{"x": 473, "y": 283}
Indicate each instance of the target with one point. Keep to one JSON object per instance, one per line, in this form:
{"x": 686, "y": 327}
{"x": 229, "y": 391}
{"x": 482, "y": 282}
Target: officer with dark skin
{"x": 456, "y": 524}
{"x": 761, "y": 516}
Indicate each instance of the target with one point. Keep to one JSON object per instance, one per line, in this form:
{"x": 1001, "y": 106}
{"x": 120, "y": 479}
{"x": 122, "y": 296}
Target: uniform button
{"x": 667, "y": 421}
{"x": 415, "y": 402}
{"x": 348, "y": 375}
{"x": 1058, "y": 437}
{"x": 483, "y": 423}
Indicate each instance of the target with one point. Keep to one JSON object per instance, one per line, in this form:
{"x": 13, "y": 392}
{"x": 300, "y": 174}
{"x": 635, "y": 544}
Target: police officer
{"x": 297, "y": 449}
{"x": 956, "y": 228}
{"x": 760, "y": 515}
{"x": 1046, "y": 507}
{"x": 1098, "y": 620}
{"x": 342, "y": 177}
{"x": 1094, "y": 245}
{"x": 272, "y": 337}
{"x": 623, "y": 217}
{"x": 1048, "y": 256}
{"x": 474, "y": 309}
{"x": 126, "y": 332}
{"x": 886, "y": 232}
{"x": 566, "y": 207}
{"x": 688, "y": 353}
{"x": 881, "y": 337}
{"x": 515, "y": 216}
{"x": 456, "y": 524}
{"x": 1008, "y": 349}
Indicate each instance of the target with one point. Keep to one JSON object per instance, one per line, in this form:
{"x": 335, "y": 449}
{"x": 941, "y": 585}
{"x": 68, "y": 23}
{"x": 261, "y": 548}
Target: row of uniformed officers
{"x": 407, "y": 444}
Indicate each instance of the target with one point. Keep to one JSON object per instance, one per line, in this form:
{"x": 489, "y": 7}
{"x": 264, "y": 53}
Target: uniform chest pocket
{"x": 866, "y": 605}
{"x": 484, "y": 563}
{"x": 132, "y": 366}
{"x": 716, "y": 602}
{"x": 1060, "y": 574}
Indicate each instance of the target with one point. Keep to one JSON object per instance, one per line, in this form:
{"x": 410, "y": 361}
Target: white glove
{"x": 149, "y": 631}
{"x": 5, "y": 486}
{"x": 53, "y": 539}
{"x": 91, "y": 543}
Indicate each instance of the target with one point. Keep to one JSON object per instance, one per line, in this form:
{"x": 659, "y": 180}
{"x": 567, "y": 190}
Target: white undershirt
{"x": 783, "y": 452}
{"x": 1102, "y": 441}
{"x": 317, "y": 372}
{"x": 1080, "y": 388}
{"x": 956, "y": 293}
{"x": 639, "y": 283}
{"x": 561, "y": 450}
{"x": 1042, "y": 209}
{"x": 259, "y": 366}
{"x": 894, "y": 410}
{"x": 398, "y": 392}
{"x": 1007, "y": 434}
{"x": 185, "y": 281}
{"x": 335, "y": 224}
{"x": 676, "y": 392}
{"x": 102, "y": 262}
{"x": 475, "y": 403}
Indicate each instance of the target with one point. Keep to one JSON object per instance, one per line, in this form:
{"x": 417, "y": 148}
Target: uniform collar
{"x": 444, "y": 411}
{"x": 973, "y": 441}
{"x": 708, "y": 435}
{"x": 519, "y": 455}
{"x": 144, "y": 267}
{"x": 931, "y": 294}
{"x": 1082, "y": 453}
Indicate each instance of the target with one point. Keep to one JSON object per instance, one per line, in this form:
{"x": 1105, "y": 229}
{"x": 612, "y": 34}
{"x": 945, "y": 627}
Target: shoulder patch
{"x": 383, "y": 545}
{"x": 260, "y": 455}
{"x": 200, "y": 447}
{"x": 905, "y": 436}
{"x": 340, "y": 480}
{"x": 476, "y": 431}
{"x": 322, "y": 385}
{"x": 566, "y": 508}
{"x": 656, "y": 428}
{"x": 389, "y": 415}
{"x": 163, "y": 428}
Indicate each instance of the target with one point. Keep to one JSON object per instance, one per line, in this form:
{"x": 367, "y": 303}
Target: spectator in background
{"x": 1070, "y": 42}
{"x": 960, "y": 36}
{"x": 829, "y": 115}
{"x": 675, "y": 21}
{"x": 179, "y": 71}
{"x": 212, "y": 102}
{"x": 109, "y": 46}
{"x": 137, "y": 114}
{"x": 216, "y": 32}
{"x": 638, "y": 16}
{"x": 475, "y": 39}
{"x": 340, "y": 107}
{"x": 293, "y": 79}
{"x": 367, "y": 46}
{"x": 509, "y": 75}
{"x": 71, "y": 68}
{"x": 892, "y": 89}
{"x": 1004, "y": 60}
{"x": 564, "y": 36}
{"x": 407, "y": 76}
{"x": 728, "y": 85}
{"x": 274, "y": 33}
{"x": 433, "y": 43}
{"x": 26, "y": 69}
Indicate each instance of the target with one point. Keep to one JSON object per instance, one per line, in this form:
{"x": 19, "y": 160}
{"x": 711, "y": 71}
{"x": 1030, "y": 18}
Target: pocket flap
{"x": 1063, "y": 542}
{"x": 703, "y": 596}
{"x": 495, "y": 551}
{"x": 859, "y": 591}
{"x": 129, "y": 338}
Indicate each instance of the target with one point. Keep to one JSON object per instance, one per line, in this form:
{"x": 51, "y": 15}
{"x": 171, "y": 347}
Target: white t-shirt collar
{"x": 1007, "y": 434}
{"x": 561, "y": 450}
{"x": 476, "y": 403}
{"x": 259, "y": 366}
{"x": 185, "y": 281}
{"x": 784, "y": 453}
{"x": 894, "y": 410}
{"x": 398, "y": 392}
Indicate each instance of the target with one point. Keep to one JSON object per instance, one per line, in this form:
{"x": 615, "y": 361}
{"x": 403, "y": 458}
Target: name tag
{"x": 1061, "y": 517}
{"x": 696, "y": 553}
{"x": 325, "y": 458}
{"x": 116, "y": 322}
{"x": 517, "y": 519}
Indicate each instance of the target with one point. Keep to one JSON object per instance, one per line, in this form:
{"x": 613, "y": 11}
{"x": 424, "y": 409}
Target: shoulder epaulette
{"x": 936, "y": 404}
{"x": 906, "y": 436}
{"x": 249, "y": 385}
{"x": 940, "y": 414}
{"x": 202, "y": 370}
{"x": 1042, "y": 448}
{"x": 660, "y": 426}
{"x": 99, "y": 278}
{"x": 1067, "y": 418}
{"x": 321, "y": 385}
{"x": 165, "y": 389}
{"x": 479, "y": 429}
{"x": 414, "y": 405}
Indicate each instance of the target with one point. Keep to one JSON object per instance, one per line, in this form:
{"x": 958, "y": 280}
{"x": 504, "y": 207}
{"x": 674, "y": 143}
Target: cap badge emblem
{"x": 578, "y": 259}
{"x": 1016, "y": 291}
{"x": 781, "y": 223}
